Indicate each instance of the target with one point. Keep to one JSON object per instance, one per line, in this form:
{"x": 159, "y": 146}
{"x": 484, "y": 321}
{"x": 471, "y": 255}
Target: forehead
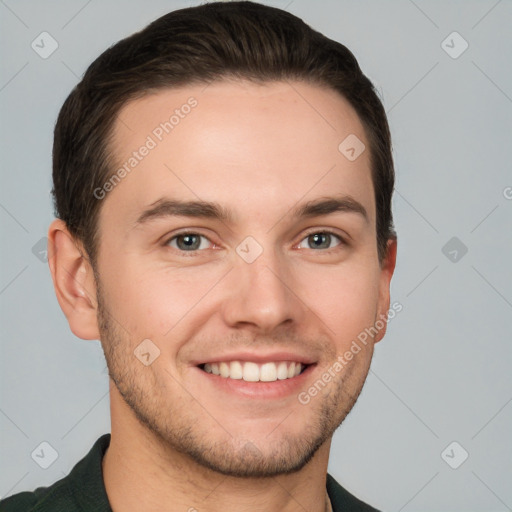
{"x": 257, "y": 148}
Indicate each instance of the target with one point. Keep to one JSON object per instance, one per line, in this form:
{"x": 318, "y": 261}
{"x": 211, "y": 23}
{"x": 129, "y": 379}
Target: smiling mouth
{"x": 254, "y": 372}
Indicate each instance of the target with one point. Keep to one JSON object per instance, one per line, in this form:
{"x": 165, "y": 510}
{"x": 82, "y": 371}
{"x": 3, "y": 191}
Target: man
{"x": 222, "y": 184}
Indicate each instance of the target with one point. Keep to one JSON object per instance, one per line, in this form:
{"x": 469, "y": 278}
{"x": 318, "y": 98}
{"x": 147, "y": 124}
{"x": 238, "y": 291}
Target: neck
{"x": 141, "y": 472}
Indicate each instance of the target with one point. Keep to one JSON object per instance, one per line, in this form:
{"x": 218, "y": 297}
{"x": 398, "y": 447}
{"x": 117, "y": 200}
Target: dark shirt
{"x": 83, "y": 490}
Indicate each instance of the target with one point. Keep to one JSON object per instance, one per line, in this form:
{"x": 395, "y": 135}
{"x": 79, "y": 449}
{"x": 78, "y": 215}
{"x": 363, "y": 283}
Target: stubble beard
{"x": 180, "y": 431}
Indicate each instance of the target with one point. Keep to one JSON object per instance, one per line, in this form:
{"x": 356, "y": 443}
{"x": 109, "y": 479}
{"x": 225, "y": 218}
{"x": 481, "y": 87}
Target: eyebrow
{"x": 326, "y": 206}
{"x": 165, "y": 207}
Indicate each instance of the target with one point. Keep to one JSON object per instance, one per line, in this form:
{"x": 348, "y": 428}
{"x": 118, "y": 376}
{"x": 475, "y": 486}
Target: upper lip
{"x": 258, "y": 357}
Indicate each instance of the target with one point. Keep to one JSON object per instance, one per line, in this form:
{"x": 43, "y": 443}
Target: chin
{"x": 257, "y": 461}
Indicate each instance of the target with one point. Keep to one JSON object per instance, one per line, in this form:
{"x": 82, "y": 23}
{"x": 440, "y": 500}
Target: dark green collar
{"x": 84, "y": 490}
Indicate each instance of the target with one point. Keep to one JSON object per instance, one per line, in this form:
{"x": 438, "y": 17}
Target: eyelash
{"x": 342, "y": 241}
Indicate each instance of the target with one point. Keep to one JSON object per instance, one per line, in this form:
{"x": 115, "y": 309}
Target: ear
{"x": 73, "y": 280}
{"x": 386, "y": 273}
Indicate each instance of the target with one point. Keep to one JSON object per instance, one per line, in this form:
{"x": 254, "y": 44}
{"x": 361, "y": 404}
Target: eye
{"x": 188, "y": 242}
{"x": 321, "y": 240}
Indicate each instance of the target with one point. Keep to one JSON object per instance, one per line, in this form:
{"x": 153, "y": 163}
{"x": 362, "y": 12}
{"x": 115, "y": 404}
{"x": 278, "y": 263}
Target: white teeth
{"x": 224, "y": 369}
{"x": 236, "y": 370}
{"x": 253, "y": 372}
{"x": 268, "y": 372}
{"x": 282, "y": 371}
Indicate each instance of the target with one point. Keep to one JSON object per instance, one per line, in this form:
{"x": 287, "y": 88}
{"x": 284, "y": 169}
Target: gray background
{"x": 441, "y": 374}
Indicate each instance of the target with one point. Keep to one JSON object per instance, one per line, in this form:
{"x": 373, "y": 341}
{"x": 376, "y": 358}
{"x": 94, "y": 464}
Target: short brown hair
{"x": 241, "y": 40}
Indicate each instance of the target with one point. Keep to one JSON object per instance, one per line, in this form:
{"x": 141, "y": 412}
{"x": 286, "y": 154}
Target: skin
{"x": 179, "y": 441}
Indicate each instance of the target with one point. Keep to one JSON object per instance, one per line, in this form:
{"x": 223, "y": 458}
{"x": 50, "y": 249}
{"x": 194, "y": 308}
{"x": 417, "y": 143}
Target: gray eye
{"x": 321, "y": 240}
{"x": 188, "y": 242}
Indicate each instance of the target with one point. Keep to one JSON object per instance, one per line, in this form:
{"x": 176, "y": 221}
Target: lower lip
{"x": 260, "y": 390}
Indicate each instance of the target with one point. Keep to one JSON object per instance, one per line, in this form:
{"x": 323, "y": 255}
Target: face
{"x": 237, "y": 265}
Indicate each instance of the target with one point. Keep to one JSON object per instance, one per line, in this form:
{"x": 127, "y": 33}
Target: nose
{"x": 261, "y": 296}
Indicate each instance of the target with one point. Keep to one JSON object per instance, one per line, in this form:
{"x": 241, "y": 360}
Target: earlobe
{"x": 73, "y": 280}
{"x": 386, "y": 273}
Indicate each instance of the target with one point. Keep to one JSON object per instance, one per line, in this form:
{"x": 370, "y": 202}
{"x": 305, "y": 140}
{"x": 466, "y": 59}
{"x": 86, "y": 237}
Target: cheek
{"x": 150, "y": 302}
{"x": 344, "y": 298}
